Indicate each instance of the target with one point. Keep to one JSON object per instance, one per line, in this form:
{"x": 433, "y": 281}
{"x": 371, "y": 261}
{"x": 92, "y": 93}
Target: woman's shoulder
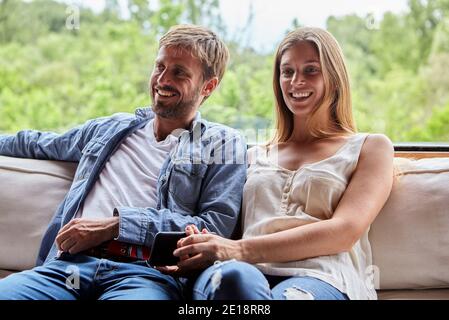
{"x": 377, "y": 145}
{"x": 377, "y": 141}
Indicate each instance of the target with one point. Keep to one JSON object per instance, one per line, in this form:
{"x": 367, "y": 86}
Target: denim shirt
{"x": 201, "y": 181}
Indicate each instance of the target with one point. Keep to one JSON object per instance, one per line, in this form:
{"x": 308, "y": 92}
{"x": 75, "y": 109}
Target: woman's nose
{"x": 298, "y": 79}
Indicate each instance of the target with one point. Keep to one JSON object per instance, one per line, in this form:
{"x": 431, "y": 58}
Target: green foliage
{"x": 399, "y": 70}
{"x": 64, "y": 78}
{"x": 52, "y": 77}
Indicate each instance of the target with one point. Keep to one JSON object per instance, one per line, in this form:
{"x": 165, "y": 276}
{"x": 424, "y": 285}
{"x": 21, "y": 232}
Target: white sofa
{"x": 409, "y": 238}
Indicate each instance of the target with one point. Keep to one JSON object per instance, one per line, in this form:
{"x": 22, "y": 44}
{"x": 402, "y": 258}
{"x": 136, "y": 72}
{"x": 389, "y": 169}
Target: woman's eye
{"x": 311, "y": 69}
{"x": 286, "y": 72}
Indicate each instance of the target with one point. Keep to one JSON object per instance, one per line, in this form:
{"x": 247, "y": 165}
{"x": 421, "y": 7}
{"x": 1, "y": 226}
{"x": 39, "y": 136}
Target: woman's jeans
{"x": 237, "y": 280}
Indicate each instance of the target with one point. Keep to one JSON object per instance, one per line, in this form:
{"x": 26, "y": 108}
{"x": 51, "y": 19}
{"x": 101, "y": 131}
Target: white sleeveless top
{"x": 274, "y": 196}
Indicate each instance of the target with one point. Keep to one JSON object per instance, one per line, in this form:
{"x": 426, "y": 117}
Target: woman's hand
{"x": 174, "y": 270}
{"x": 190, "y": 229}
{"x": 198, "y": 251}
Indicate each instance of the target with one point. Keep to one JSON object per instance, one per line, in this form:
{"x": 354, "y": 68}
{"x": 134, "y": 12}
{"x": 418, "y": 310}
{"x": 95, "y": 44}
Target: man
{"x": 159, "y": 170}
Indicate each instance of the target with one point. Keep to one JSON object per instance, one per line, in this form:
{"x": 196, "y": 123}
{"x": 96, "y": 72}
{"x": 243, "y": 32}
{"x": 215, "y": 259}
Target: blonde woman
{"x": 311, "y": 193}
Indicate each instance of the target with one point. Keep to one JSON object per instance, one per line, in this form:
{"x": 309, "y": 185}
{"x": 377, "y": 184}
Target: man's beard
{"x": 177, "y": 110}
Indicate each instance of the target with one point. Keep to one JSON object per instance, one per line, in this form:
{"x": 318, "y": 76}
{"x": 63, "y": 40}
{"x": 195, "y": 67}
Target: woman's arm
{"x": 364, "y": 197}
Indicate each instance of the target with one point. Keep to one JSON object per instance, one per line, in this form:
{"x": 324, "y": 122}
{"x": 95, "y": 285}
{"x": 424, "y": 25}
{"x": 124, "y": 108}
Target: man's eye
{"x": 159, "y": 67}
{"x": 180, "y": 73}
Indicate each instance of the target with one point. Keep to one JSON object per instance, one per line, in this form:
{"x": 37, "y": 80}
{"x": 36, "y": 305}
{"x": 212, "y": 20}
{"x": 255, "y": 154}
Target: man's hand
{"x": 82, "y": 234}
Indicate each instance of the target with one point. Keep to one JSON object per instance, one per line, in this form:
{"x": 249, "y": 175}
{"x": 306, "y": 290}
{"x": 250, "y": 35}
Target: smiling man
{"x": 161, "y": 169}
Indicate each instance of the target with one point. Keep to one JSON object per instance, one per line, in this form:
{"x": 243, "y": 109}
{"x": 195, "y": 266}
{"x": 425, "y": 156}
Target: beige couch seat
{"x": 409, "y": 238}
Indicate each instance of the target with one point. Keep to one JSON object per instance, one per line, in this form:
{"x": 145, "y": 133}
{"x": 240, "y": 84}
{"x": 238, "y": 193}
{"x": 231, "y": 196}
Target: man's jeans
{"x": 85, "y": 277}
{"x": 242, "y": 281}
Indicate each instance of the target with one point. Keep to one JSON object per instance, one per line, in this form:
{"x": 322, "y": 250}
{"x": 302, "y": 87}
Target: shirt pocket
{"x": 185, "y": 184}
{"x": 90, "y": 155}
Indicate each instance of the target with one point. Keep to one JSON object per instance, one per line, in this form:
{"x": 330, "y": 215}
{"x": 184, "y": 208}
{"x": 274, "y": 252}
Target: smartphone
{"x": 162, "y": 249}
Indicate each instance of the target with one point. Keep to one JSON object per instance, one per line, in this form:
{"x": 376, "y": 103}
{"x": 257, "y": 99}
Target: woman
{"x": 311, "y": 193}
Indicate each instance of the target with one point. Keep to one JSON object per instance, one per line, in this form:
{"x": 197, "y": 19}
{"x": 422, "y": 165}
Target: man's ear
{"x": 210, "y": 86}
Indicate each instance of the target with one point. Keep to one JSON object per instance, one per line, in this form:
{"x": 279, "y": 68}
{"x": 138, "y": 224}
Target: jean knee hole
{"x": 295, "y": 293}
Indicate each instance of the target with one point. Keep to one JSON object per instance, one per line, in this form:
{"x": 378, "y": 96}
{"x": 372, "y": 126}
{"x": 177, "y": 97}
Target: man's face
{"x": 176, "y": 84}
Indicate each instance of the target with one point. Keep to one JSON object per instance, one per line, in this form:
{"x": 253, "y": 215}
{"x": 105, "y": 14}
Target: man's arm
{"x": 218, "y": 207}
{"x": 218, "y": 211}
{"x": 46, "y": 145}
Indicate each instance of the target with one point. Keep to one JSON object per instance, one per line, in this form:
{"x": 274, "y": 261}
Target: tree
{"x": 52, "y": 78}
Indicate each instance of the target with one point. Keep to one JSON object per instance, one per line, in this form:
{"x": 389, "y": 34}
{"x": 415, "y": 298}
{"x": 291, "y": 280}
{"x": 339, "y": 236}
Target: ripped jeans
{"x": 235, "y": 280}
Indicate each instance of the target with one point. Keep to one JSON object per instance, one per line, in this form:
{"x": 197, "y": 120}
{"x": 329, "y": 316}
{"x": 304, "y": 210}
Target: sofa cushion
{"x": 426, "y": 294}
{"x": 410, "y": 236}
{"x": 31, "y": 190}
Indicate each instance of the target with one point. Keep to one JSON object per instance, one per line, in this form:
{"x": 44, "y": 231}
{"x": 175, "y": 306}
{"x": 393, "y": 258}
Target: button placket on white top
{"x": 286, "y": 193}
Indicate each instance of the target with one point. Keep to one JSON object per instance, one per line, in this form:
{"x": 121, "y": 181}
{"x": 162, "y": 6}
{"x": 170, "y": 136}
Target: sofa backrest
{"x": 30, "y": 191}
{"x": 409, "y": 238}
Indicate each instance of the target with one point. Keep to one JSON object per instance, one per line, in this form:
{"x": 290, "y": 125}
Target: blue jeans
{"x": 84, "y": 277}
{"x": 235, "y": 280}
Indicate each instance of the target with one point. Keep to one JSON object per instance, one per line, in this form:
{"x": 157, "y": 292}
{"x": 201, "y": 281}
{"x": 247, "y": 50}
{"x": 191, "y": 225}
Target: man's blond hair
{"x": 201, "y": 43}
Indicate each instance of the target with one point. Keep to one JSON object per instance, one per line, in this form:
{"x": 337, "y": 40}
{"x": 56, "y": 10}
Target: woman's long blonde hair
{"x": 337, "y": 95}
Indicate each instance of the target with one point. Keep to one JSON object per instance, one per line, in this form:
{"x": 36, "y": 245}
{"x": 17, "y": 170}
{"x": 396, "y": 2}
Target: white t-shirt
{"x": 130, "y": 176}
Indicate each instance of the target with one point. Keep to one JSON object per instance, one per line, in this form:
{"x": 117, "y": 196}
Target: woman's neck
{"x": 301, "y": 133}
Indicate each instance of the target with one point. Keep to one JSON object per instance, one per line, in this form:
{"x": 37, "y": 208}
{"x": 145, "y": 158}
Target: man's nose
{"x": 163, "y": 78}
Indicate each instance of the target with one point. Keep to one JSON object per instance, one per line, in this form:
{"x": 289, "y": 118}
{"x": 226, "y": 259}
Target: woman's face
{"x": 301, "y": 78}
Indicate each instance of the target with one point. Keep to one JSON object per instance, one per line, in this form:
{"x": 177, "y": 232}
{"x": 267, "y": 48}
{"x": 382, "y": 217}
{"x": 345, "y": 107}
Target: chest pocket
{"x": 90, "y": 155}
{"x": 318, "y": 193}
{"x": 185, "y": 184}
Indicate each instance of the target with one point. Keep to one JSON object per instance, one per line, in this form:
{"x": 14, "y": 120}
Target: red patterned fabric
{"x": 119, "y": 251}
